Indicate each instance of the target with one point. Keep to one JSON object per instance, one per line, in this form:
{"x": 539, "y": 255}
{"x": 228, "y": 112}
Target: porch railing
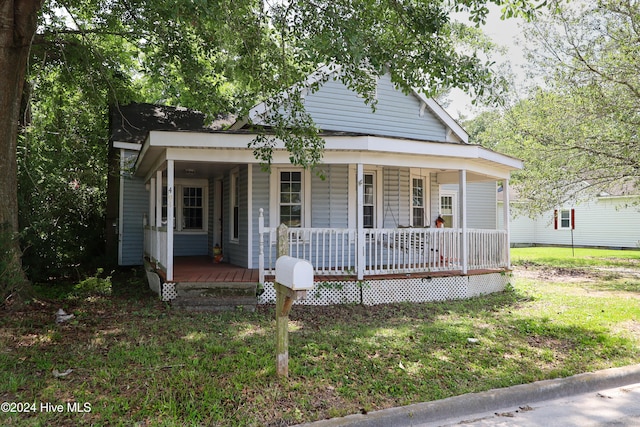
{"x": 337, "y": 251}
{"x": 155, "y": 245}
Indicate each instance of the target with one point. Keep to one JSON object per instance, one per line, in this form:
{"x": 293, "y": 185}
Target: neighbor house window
{"x": 564, "y": 219}
{"x": 291, "y": 198}
{"x": 368, "y": 203}
{"x": 235, "y": 205}
{"x": 192, "y": 208}
{"x": 417, "y": 202}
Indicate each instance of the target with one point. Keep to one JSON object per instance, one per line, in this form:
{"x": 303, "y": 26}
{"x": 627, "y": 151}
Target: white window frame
{"x": 378, "y": 186}
{"x": 179, "y": 185}
{"x": 454, "y": 208}
{"x": 373, "y": 203}
{"x": 425, "y": 198}
{"x": 274, "y": 195}
{"x": 180, "y": 211}
{"x": 562, "y": 211}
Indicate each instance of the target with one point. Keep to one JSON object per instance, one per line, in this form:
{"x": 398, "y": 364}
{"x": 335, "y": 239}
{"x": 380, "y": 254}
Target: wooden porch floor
{"x": 202, "y": 269}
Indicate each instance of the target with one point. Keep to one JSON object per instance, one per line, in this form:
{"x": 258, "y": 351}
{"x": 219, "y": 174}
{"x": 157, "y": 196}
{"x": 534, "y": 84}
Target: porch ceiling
{"x": 203, "y": 155}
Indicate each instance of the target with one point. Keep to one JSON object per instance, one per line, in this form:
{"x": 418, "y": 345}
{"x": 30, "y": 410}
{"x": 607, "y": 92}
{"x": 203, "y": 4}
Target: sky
{"x": 502, "y": 32}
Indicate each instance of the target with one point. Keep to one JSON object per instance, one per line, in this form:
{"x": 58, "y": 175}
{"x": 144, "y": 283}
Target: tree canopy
{"x": 578, "y": 132}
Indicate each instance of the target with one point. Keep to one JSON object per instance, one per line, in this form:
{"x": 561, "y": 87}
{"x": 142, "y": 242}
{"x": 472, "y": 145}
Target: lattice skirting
{"x": 168, "y": 292}
{"x": 372, "y": 292}
{"x": 323, "y": 293}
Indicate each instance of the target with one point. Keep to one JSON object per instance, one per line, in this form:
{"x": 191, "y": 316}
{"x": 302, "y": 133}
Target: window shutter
{"x": 555, "y": 219}
{"x": 573, "y": 219}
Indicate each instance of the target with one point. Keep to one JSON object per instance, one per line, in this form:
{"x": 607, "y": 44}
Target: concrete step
{"x": 215, "y": 296}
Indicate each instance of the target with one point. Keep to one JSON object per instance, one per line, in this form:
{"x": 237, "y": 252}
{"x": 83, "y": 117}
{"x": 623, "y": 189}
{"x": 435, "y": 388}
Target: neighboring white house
{"x": 388, "y": 175}
{"x": 611, "y": 221}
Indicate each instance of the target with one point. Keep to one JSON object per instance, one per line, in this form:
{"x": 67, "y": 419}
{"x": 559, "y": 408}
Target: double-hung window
{"x": 448, "y": 208}
{"x": 189, "y": 210}
{"x": 369, "y": 200}
{"x": 417, "y": 202}
{"x": 192, "y": 208}
{"x": 564, "y": 219}
{"x": 291, "y": 198}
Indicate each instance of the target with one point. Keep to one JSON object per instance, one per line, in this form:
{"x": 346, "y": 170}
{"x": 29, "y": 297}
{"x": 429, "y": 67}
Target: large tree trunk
{"x": 18, "y": 21}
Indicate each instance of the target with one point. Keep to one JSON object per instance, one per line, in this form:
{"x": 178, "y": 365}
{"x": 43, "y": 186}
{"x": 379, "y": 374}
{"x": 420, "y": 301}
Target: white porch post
{"x": 464, "y": 238}
{"x": 158, "y": 223}
{"x": 151, "y": 220}
{"x": 152, "y": 203}
{"x": 170, "y": 219}
{"x": 360, "y": 245}
{"x": 506, "y": 213}
{"x": 261, "y": 246}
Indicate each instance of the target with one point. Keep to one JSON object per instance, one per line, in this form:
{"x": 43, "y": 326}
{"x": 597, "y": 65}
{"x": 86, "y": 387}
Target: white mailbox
{"x": 294, "y": 273}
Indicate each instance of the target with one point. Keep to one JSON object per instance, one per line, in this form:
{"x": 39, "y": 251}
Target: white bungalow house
{"x": 608, "y": 220}
{"x": 367, "y": 227}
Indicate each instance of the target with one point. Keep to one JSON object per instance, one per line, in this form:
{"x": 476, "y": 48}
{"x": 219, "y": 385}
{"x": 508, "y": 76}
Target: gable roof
{"x": 258, "y": 114}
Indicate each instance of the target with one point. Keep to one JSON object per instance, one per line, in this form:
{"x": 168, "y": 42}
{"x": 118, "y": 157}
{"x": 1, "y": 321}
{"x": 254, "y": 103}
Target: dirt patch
{"x": 552, "y": 274}
{"x": 576, "y": 275}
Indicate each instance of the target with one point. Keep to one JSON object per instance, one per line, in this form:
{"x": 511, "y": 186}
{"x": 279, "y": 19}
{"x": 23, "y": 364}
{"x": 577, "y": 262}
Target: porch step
{"x": 215, "y": 296}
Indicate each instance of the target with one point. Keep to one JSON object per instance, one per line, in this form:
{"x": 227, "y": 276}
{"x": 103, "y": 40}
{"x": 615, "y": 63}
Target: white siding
{"x": 435, "y": 198}
{"x": 260, "y": 188}
{"x": 482, "y": 209}
{"x": 481, "y": 205}
{"x": 330, "y": 198}
{"x": 396, "y": 198}
{"x": 336, "y": 108}
{"x": 606, "y": 222}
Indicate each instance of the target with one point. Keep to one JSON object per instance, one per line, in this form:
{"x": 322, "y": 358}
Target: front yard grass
{"x": 138, "y": 362}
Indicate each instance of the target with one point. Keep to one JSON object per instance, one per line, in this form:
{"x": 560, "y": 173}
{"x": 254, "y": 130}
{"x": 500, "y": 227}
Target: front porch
{"x": 347, "y": 254}
{"x": 202, "y": 283}
{"x": 202, "y": 269}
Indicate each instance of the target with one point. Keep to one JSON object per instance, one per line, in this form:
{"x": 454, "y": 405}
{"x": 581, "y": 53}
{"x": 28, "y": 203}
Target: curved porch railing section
{"x": 155, "y": 245}
{"x": 337, "y": 251}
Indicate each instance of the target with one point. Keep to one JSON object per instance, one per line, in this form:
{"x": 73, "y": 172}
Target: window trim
{"x": 557, "y": 218}
{"x": 180, "y": 212}
{"x": 454, "y": 208}
{"x": 274, "y": 195}
{"x": 179, "y": 184}
{"x": 425, "y": 200}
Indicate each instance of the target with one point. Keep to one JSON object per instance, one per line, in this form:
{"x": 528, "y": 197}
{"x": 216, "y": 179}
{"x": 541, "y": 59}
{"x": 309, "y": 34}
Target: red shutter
{"x": 573, "y": 219}
{"x": 555, "y": 219}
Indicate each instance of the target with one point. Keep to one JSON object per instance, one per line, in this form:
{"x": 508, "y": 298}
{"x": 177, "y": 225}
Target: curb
{"x": 489, "y": 401}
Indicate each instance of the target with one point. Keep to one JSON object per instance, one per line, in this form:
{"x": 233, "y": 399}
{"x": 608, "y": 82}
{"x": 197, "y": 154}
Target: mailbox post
{"x": 293, "y": 278}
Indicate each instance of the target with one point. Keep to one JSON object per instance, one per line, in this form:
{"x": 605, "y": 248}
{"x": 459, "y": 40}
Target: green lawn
{"x": 576, "y": 257}
{"x": 137, "y": 362}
